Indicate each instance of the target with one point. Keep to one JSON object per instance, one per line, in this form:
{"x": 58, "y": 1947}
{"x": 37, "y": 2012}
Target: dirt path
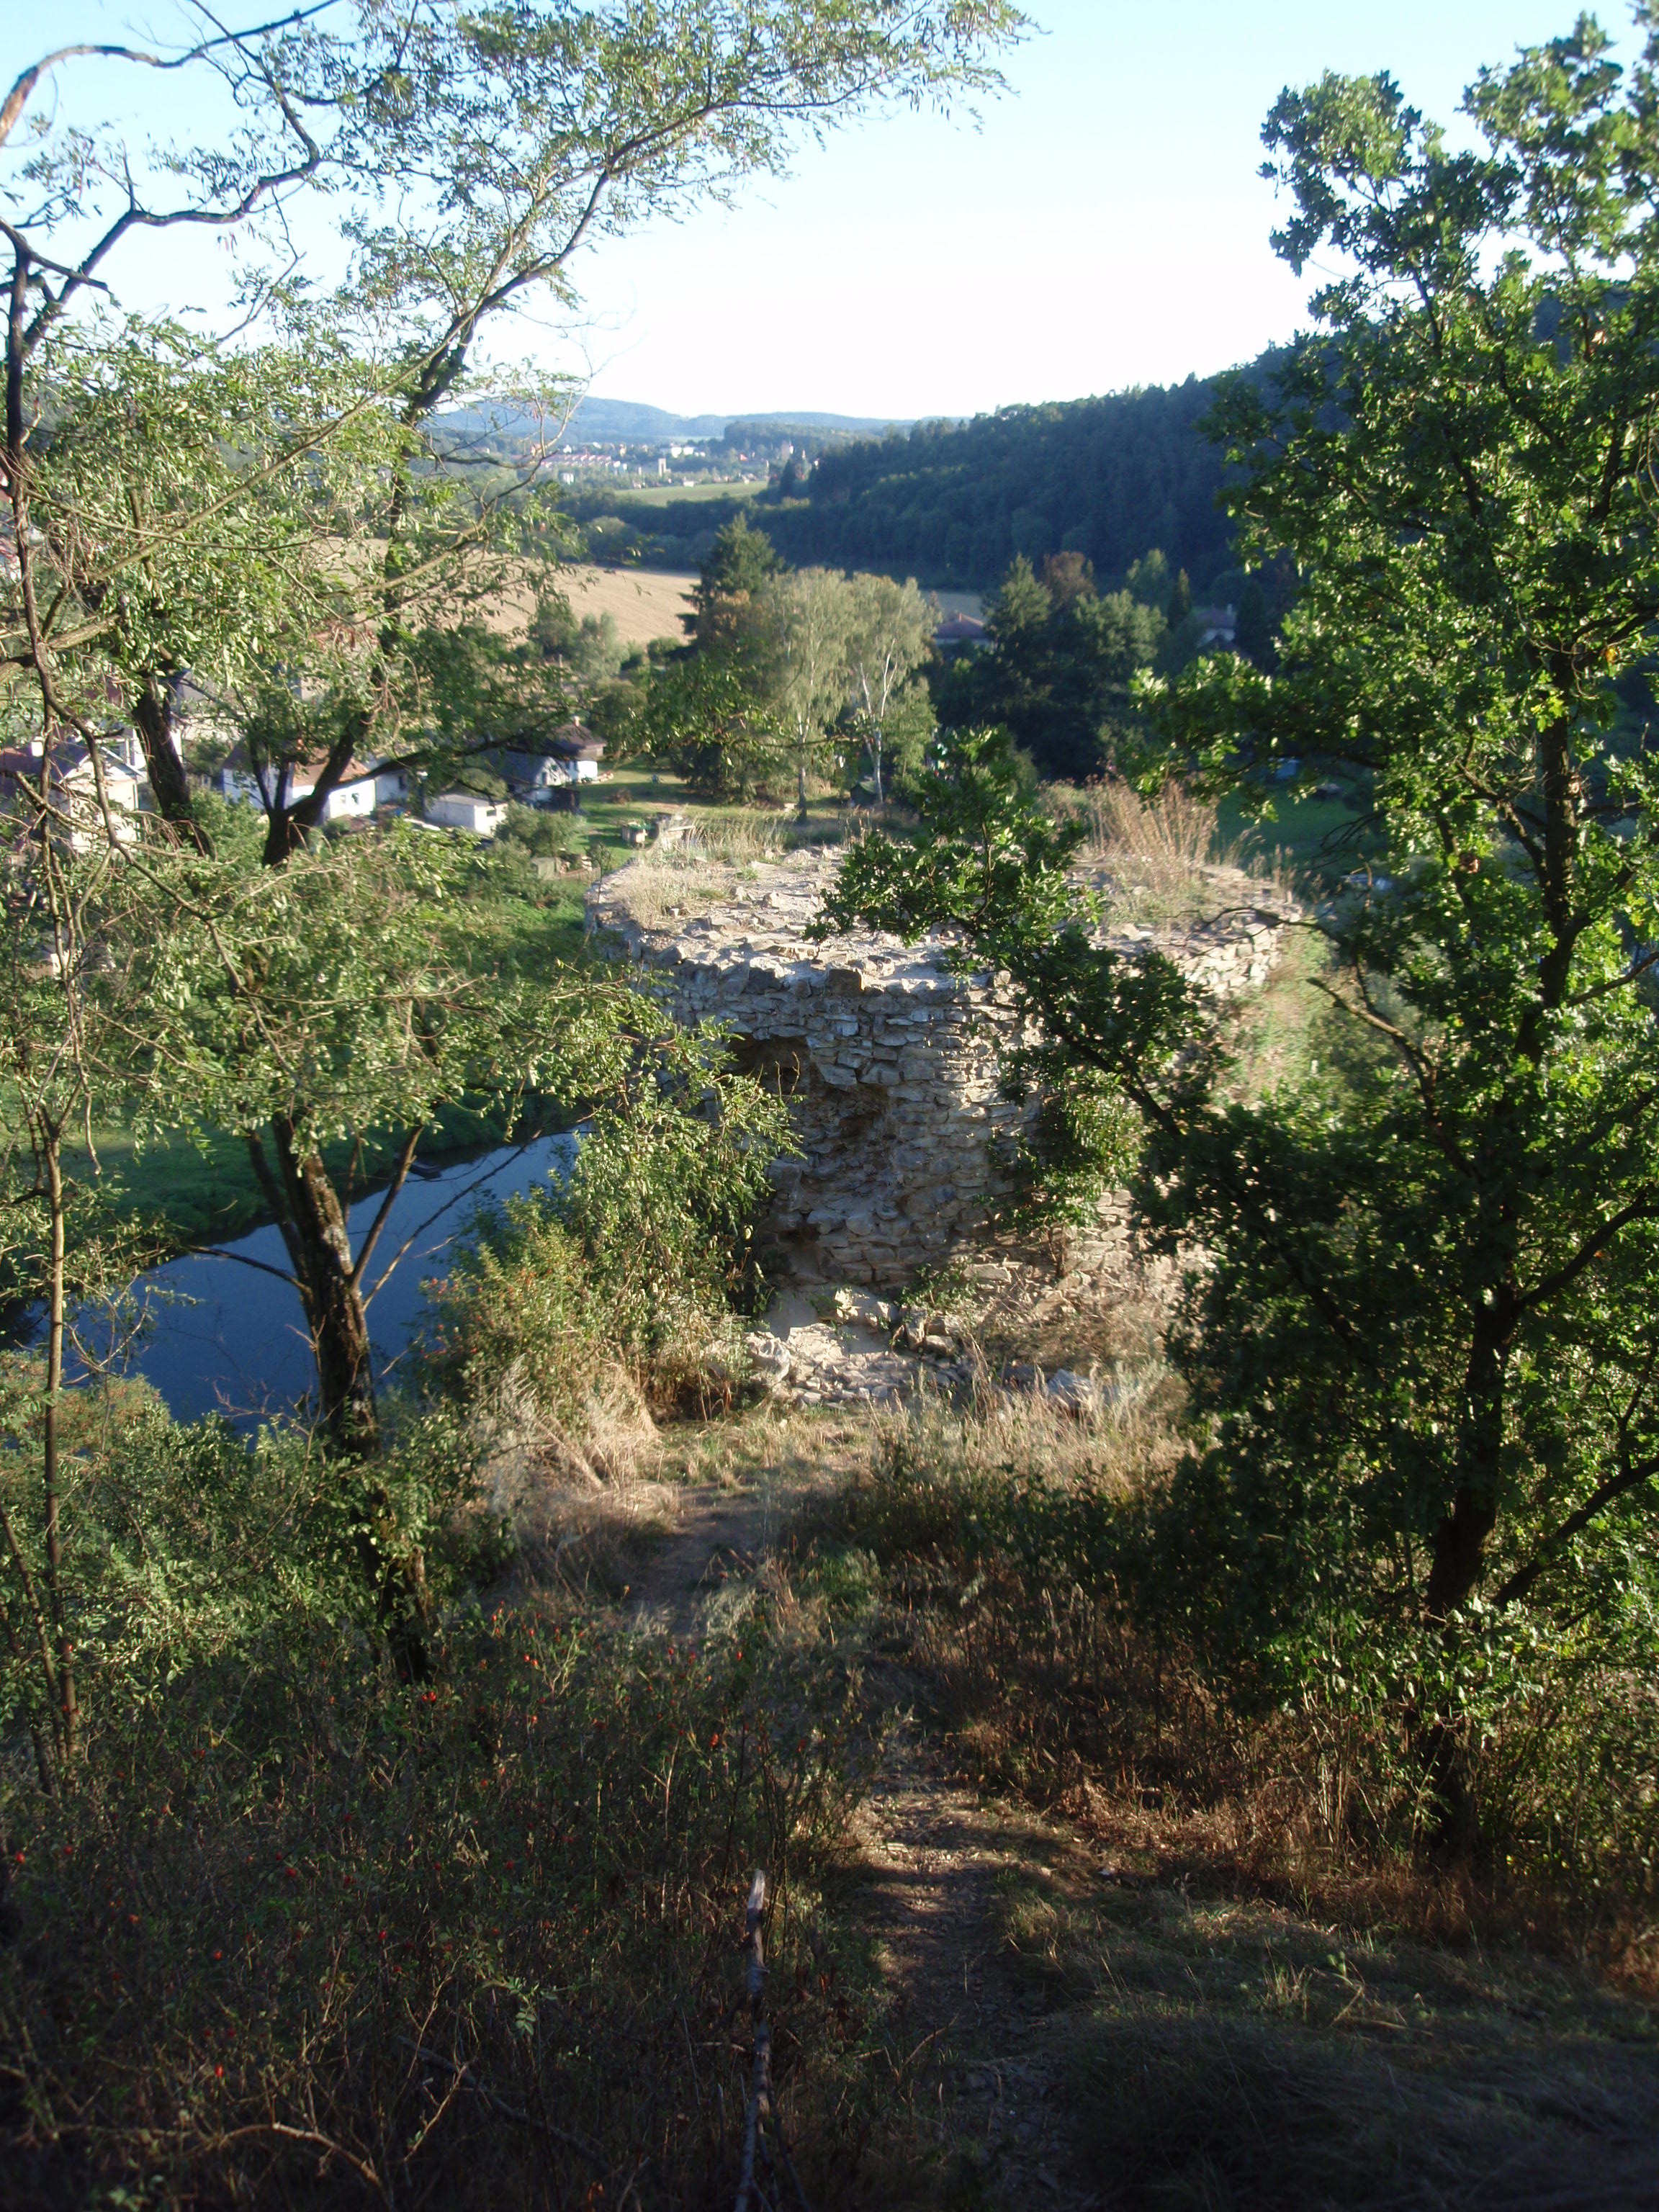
{"x": 931, "y": 1854}
{"x": 936, "y": 1857}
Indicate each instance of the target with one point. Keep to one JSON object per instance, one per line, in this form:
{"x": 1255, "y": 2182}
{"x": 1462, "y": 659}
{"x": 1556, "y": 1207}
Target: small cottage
{"x": 572, "y": 756}
{"x": 465, "y": 810}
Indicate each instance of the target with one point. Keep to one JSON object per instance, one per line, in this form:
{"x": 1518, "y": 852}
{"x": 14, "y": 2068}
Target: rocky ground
{"x": 854, "y": 1347}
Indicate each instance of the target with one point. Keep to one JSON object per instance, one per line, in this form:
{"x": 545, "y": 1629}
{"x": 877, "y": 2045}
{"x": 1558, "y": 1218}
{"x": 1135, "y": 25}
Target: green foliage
{"x": 709, "y": 720}
{"x": 589, "y": 646}
{"x": 1059, "y": 671}
{"x": 1457, "y": 1276}
{"x": 956, "y": 503}
{"x": 638, "y": 1255}
{"x": 287, "y": 1880}
{"x": 1422, "y": 1349}
{"x": 736, "y": 567}
{"x": 908, "y": 733}
{"x": 673, "y": 1169}
{"x": 545, "y": 832}
{"x": 890, "y": 627}
{"x": 182, "y": 1546}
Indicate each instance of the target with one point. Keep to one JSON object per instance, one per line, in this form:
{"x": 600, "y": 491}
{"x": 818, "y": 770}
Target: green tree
{"x": 739, "y": 563}
{"x": 889, "y": 630}
{"x": 1424, "y": 1353}
{"x": 278, "y": 516}
{"x": 708, "y": 718}
{"x": 804, "y": 629}
{"x": 1061, "y": 670}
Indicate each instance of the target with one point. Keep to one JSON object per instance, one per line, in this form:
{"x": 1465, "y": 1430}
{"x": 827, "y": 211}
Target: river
{"x": 224, "y": 1334}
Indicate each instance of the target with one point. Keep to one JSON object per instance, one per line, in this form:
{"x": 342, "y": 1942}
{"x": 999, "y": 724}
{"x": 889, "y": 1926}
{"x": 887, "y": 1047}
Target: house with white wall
{"x": 465, "y": 810}
{"x": 572, "y": 756}
{"x": 365, "y": 786}
{"x": 72, "y": 789}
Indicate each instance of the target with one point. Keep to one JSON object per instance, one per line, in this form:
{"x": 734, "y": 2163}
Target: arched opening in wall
{"x": 782, "y": 1066}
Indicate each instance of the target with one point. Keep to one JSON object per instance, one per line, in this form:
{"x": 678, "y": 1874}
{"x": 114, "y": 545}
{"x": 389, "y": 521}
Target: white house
{"x": 572, "y": 757}
{"x": 465, "y": 810}
{"x": 364, "y": 786}
{"x": 72, "y": 787}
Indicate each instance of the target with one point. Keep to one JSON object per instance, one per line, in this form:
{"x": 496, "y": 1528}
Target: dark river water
{"x": 225, "y": 1337}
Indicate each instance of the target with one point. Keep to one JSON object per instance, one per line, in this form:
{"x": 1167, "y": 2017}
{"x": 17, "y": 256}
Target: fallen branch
{"x": 761, "y": 2104}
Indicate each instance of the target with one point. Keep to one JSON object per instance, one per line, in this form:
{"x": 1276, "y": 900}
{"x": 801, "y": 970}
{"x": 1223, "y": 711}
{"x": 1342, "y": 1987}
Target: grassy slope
{"x": 1167, "y": 2006}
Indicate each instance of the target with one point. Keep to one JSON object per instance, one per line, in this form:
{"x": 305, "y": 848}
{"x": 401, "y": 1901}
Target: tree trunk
{"x": 1456, "y": 1562}
{"x": 68, "y": 1717}
{"x": 319, "y": 1245}
{"x": 169, "y": 785}
{"x": 314, "y": 1229}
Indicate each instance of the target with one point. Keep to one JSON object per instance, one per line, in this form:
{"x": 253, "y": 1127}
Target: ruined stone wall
{"x": 888, "y": 1060}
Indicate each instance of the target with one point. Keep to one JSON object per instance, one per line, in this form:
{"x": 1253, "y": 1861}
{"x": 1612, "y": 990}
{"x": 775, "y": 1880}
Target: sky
{"x": 1101, "y": 226}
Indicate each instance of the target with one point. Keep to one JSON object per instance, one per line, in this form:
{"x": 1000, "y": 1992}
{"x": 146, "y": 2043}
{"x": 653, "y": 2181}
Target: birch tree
{"x": 887, "y": 639}
{"x": 806, "y": 619}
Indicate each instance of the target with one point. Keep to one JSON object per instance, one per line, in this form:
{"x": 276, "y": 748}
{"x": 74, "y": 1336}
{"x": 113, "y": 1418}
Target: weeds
{"x": 1013, "y": 1549}
{"x": 314, "y": 1939}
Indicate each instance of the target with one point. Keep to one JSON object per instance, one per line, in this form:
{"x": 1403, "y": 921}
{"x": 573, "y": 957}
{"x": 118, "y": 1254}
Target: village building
{"x": 572, "y": 756}
{"x": 1216, "y": 625}
{"x": 365, "y": 786}
{"x": 72, "y": 787}
{"x": 465, "y": 810}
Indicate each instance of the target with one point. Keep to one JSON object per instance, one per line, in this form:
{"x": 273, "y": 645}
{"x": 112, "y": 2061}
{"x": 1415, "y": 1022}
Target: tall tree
{"x": 280, "y": 516}
{"x": 737, "y": 565}
{"x": 804, "y": 630}
{"x": 1061, "y": 669}
{"x": 1424, "y": 1354}
{"x": 890, "y": 628}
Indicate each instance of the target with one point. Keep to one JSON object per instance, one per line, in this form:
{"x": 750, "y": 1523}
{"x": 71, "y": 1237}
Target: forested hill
{"x": 953, "y": 504}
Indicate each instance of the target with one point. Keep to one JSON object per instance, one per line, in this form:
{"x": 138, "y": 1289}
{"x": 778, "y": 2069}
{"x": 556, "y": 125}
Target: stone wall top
{"x": 757, "y": 921}
{"x": 888, "y": 1057}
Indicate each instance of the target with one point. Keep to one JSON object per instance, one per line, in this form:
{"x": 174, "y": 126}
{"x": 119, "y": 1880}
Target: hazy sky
{"x": 1103, "y": 226}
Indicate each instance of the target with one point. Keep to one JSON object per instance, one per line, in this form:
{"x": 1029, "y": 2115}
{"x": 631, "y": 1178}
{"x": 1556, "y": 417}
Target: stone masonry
{"x": 888, "y": 1058}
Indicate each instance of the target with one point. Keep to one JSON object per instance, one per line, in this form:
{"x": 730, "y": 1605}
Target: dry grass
{"x": 1012, "y": 1545}
{"x": 1154, "y": 858}
{"x": 746, "y": 840}
{"x": 660, "y": 889}
{"x": 1221, "y": 2051}
{"x": 1167, "y": 839}
{"x": 643, "y": 603}
{"x": 581, "y": 1498}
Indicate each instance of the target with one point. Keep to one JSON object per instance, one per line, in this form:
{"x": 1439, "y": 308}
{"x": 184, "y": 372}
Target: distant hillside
{"x": 611, "y": 422}
{"x": 603, "y": 420}
{"x": 953, "y": 504}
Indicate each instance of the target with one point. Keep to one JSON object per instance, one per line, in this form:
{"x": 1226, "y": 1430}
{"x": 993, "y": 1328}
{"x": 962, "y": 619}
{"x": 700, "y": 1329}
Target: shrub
{"x": 301, "y": 1935}
{"x": 640, "y": 1255}
{"x": 1042, "y": 1573}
